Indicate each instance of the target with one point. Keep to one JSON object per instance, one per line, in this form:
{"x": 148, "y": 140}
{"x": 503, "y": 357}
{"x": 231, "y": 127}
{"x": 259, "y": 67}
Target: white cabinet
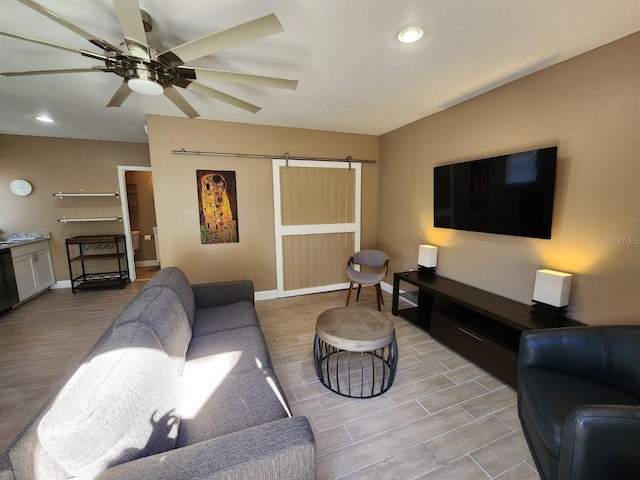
{"x": 25, "y": 276}
{"x": 44, "y": 268}
{"x": 33, "y": 268}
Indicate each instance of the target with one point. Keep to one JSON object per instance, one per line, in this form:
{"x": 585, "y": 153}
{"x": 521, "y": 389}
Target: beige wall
{"x": 590, "y": 107}
{"x": 53, "y": 165}
{"x": 176, "y": 200}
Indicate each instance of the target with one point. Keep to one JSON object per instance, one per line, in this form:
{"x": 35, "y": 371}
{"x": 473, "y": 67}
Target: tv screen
{"x": 510, "y": 194}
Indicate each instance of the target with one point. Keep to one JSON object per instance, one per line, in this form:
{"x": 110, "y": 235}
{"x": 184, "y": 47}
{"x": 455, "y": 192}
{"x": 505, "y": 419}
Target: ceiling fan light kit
{"x": 145, "y": 72}
{"x": 145, "y": 86}
{"x": 142, "y": 78}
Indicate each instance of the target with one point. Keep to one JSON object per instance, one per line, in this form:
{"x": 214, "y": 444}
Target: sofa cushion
{"x": 118, "y": 407}
{"x": 245, "y": 348}
{"x": 233, "y": 403}
{"x": 220, "y": 293}
{"x": 549, "y": 395}
{"x": 161, "y": 309}
{"x": 176, "y": 280}
{"x": 225, "y": 317}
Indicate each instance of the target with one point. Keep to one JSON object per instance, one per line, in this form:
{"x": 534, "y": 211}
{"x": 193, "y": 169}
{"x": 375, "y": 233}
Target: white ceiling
{"x": 354, "y": 75}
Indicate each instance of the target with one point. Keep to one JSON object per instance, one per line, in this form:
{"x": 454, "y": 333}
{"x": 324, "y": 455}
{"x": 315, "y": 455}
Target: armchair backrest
{"x": 606, "y": 354}
{"x": 371, "y": 258}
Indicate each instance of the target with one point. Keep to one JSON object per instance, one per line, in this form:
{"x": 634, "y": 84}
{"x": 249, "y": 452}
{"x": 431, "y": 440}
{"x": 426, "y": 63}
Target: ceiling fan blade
{"x": 223, "y": 97}
{"x": 177, "y": 99}
{"x": 120, "y": 96}
{"x": 70, "y": 26}
{"x": 130, "y": 19}
{"x": 41, "y": 42}
{"x": 56, "y": 71}
{"x": 215, "y": 42}
{"x": 218, "y": 75}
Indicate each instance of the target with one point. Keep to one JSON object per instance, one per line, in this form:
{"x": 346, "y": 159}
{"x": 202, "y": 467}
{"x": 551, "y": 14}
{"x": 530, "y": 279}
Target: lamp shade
{"x": 552, "y": 287}
{"x": 427, "y": 256}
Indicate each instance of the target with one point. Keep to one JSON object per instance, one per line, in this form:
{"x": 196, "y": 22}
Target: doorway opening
{"x": 139, "y": 221}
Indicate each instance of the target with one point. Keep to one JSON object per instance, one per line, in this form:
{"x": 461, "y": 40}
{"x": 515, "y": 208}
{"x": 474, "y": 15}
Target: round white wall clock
{"x": 20, "y": 187}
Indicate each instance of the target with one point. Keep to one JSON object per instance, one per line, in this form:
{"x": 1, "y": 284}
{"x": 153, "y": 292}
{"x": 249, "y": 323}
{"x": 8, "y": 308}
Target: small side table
{"x": 355, "y": 351}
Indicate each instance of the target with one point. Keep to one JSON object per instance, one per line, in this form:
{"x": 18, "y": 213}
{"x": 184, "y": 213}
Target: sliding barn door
{"x": 317, "y": 224}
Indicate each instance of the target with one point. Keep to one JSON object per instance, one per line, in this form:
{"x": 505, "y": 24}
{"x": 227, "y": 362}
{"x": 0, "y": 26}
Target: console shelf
{"x": 482, "y": 326}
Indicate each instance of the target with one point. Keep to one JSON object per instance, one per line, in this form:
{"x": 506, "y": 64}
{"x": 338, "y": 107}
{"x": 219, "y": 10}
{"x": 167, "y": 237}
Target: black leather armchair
{"x": 579, "y": 401}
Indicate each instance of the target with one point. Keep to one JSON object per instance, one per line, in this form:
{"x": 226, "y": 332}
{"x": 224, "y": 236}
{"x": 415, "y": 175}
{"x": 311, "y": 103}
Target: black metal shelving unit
{"x": 97, "y": 261}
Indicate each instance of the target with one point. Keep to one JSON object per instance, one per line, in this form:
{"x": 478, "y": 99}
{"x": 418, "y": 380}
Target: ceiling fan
{"x": 148, "y": 72}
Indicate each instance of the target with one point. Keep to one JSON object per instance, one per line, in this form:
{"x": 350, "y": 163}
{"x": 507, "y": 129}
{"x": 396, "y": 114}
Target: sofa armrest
{"x": 222, "y": 293}
{"x": 281, "y": 449}
{"x": 600, "y": 441}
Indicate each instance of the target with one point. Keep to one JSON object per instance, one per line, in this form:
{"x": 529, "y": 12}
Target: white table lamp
{"x": 551, "y": 290}
{"x": 427, "y": 258}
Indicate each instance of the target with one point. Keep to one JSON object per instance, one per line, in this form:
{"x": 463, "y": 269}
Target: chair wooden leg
{"x": 358, "y": 295}
{"x": 380, "y": 291}
{"x": 349, "y": 294}
{"x": 378, "y": 296}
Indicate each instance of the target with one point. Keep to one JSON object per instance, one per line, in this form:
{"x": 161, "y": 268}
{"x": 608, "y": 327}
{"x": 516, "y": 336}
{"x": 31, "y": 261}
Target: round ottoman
{"x": 355, "y": 351}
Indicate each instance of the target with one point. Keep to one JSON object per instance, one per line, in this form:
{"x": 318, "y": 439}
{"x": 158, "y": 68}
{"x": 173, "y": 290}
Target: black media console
{"x": 482, "y": 326}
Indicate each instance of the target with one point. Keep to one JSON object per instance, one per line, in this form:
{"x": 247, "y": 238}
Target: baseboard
{"x": 311, "y": 290}
{"x": 147, "y": 263}
{"x": 61, "y": 284}
{"x": 266, "y": 295}
{"x": 271, "y": 294}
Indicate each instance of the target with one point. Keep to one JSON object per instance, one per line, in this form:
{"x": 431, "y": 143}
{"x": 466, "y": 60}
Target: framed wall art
{"x": 218, "y": 206}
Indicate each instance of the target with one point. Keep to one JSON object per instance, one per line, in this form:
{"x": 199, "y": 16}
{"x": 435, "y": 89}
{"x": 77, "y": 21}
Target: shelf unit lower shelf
{"x": 97, "y": 261}
{"x": 481, "y": 326}
{"x": 100, "y": 280}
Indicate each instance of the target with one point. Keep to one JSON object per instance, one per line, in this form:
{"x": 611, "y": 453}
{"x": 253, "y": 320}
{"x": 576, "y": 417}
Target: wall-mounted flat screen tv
{"x": 509, "y": 194}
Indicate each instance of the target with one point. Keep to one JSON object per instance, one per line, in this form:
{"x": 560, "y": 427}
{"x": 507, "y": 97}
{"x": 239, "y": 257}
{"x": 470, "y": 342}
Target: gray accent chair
{"x": 367, "y": 267}
{"x": 579, "y": 401}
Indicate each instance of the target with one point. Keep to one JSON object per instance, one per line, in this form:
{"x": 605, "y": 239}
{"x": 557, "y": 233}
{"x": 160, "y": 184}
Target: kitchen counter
{"x": 8, "y": 240}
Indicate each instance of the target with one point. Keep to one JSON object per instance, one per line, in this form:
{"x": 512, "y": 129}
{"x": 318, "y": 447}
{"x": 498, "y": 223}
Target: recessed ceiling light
{"x": 44, "y": 118}
{"x": 411, "y": 34}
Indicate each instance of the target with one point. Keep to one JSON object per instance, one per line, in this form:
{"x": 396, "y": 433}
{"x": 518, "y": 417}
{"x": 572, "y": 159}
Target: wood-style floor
{"x": 444, "y": 417}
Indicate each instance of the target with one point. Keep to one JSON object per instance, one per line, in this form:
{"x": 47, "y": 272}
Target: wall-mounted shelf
{"x": 83, "y": 194}
{"x": 95, "y": 219}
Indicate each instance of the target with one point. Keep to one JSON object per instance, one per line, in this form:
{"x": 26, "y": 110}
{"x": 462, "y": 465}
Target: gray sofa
{"x": 180, "y": 387}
